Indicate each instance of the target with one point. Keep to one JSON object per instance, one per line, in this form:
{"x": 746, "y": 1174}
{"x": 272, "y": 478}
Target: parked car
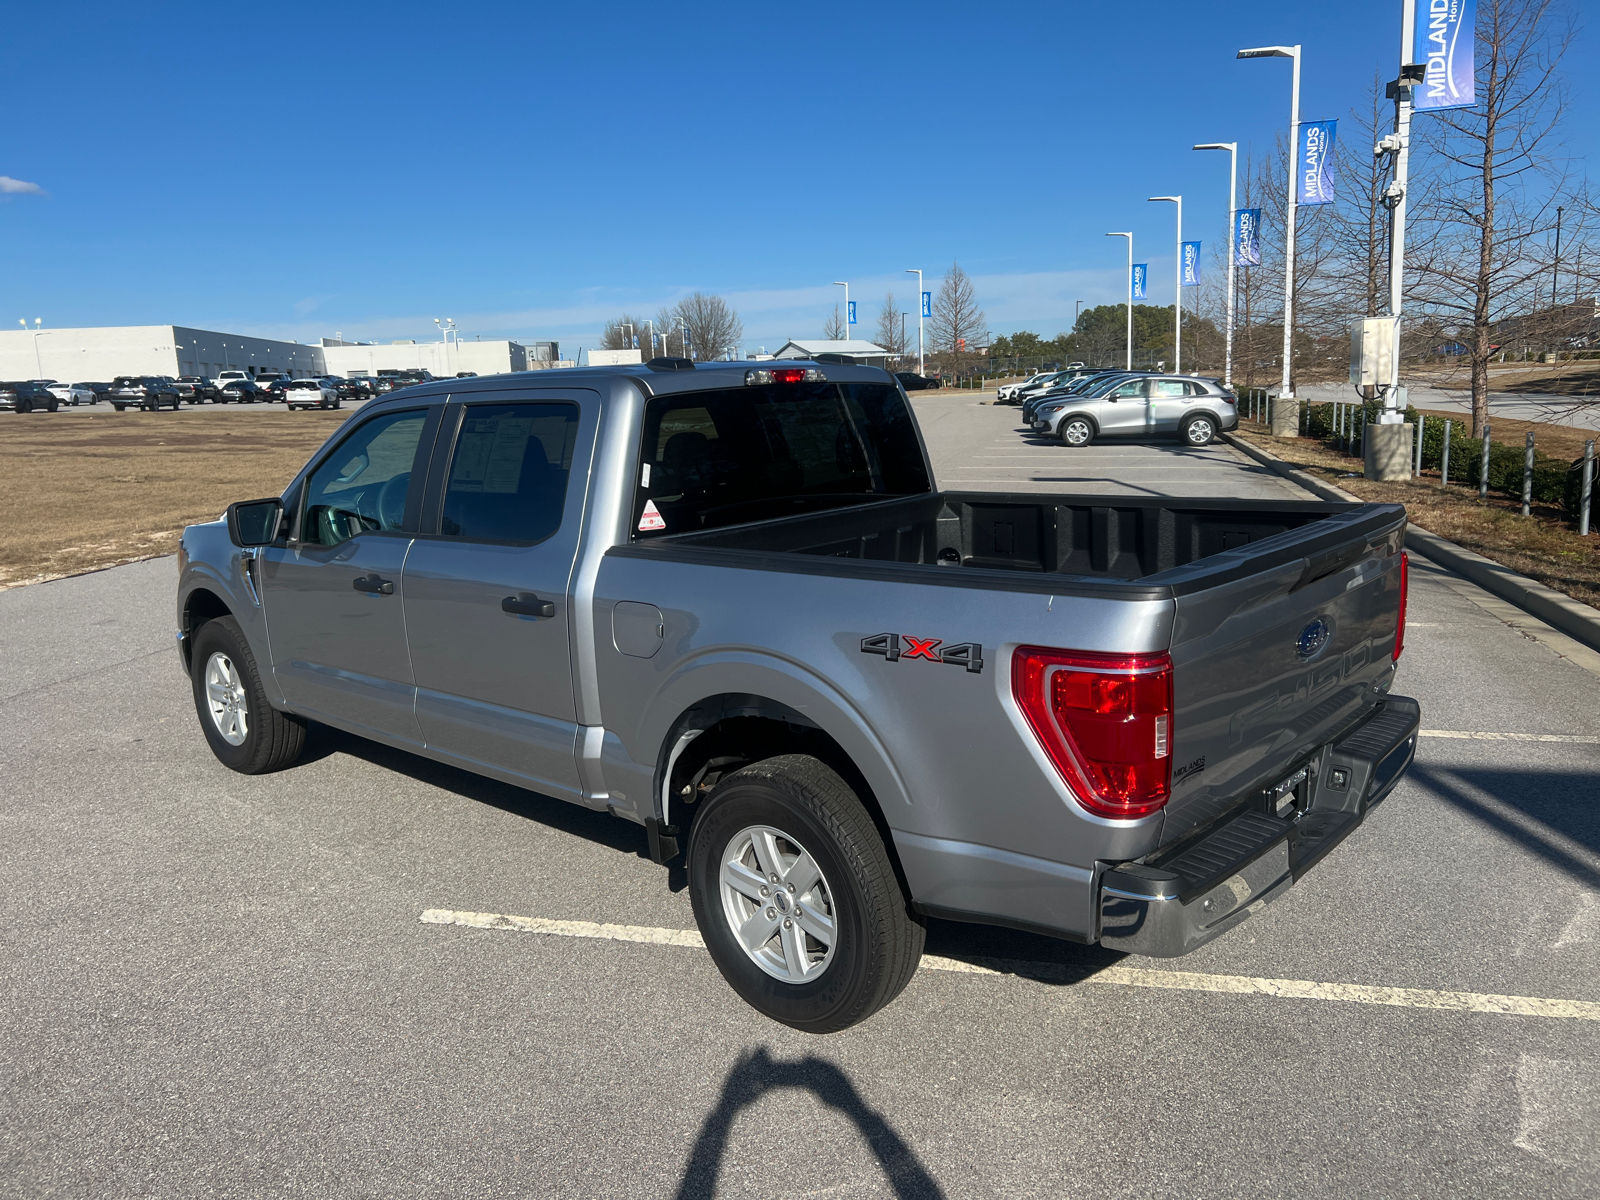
{"x": 1006, "y": 391}
{"x": 272, "y": 382}
{"x": 227, "y": 377}
{"x": 197, "y": 389}
{"x": 101, "y": 390}
{"x": 912, "y": 382}
{"x": 682, "y": 596}
{"x": 348, "y": 389}
{"x": 1055, "y": 379}
{"x": 241, "y": 391}
{"x": 1196, "y": 410}
{"x": 148, "y": 392}
{"x": 1082, "y": 385}
{"x": 27, "y": 395}
{"x": 73, "y": 393}
{"x": 310, "y": 393}
{"x": 402, "y": 378}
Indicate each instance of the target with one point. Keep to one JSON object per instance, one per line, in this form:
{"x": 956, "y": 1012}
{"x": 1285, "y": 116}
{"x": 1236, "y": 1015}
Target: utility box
{"x": 1372, "y": 352}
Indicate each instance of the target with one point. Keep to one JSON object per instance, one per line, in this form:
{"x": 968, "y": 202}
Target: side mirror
{"x": 254, "y": 522}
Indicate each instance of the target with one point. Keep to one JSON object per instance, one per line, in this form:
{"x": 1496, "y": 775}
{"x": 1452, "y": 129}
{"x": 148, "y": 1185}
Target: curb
{"x": 1577, "y": 621}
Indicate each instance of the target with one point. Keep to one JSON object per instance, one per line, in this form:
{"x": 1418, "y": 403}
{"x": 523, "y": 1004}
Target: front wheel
{"x": 1077, "y": 431}
{"x": 246, "y": 733}
{"x": 52, "y": 406}
{"x": 1199, "y": 431}
{"x": 796, "y": 898}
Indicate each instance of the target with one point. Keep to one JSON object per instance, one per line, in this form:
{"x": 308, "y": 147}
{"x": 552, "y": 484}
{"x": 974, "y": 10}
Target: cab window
{"x": 361, "y": 487}
{"x": 508, "y": 473}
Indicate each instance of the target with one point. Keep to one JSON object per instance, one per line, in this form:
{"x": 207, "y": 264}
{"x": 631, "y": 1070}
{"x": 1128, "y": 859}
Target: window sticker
{"x": 652, "y": 519}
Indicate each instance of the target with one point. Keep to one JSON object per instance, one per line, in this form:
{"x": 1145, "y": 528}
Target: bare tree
{"x": 620, "y": 332}
{"x": 1499, "y": 179}
{"x": 713, "y": 328}
{"x": 833, "y": 327}
{"x": 891, "y": 326}
{"x": 958, "y": 326}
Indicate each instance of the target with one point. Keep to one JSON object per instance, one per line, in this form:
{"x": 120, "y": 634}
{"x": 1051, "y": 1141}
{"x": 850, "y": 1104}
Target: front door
{"x": 334, "y": 596}
{"x": 488, "y": 588}
{"x": 1122, "y": 410}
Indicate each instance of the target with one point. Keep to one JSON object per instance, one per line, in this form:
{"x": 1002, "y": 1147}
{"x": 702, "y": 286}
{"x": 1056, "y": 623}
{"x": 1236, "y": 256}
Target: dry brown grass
{"x": 78, "y": 493}
{"x": 1543, "y": 547}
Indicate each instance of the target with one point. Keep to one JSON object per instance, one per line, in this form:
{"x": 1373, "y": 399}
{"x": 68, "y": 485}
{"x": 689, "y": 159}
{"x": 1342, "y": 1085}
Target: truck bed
{"x": 1061, "y": 543}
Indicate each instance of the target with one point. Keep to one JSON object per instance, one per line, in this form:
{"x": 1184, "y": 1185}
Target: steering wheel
{"x": 392, "y": 501}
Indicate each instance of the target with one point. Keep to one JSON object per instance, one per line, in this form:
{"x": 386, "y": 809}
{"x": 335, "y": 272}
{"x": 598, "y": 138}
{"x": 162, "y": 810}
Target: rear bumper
{"x": 1179, "y": 901}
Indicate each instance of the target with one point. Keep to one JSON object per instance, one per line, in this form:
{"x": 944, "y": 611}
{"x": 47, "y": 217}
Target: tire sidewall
{"x": 759, "y": 801}
{"x": 1189, "y": 427}
{"x": 223, "y": 635}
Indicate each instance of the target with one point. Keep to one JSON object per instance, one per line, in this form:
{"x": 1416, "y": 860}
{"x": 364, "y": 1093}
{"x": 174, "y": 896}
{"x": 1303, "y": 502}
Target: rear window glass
{"x": 753, "y": 453}
{"x": 508, "y": 475}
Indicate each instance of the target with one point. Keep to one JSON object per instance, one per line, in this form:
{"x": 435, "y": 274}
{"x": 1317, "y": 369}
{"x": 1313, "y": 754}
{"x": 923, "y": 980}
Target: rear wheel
{"x": 796, "y": 897}
{"x": 1077, "y": 431}
{"x": 24, "y": 406}
{"x": 246, "y": 733}
{"x": 1199, "y": 431}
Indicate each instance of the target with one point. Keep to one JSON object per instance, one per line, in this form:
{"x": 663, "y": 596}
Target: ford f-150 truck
{"x": 726, "y": 601}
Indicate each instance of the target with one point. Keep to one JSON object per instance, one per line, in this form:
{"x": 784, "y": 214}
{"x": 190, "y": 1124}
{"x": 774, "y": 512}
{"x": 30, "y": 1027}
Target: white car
{"x": 228, "y": 377}
{"x": 1009, "y": 390}
{"x": 73, "y": 393}
{"x": 310, "y": 393}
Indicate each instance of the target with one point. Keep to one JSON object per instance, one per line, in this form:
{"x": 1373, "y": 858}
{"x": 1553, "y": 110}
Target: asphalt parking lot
{"x": 222, "y": 985}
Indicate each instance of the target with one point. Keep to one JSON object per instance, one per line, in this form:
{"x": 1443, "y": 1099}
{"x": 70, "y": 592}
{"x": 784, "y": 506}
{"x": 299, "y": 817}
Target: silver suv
{"x": 1154, "y": 405}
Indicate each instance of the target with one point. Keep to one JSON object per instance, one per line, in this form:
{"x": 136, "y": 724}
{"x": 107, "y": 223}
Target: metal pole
{"x": 1527, "y": 476}
{"x": 1444, "y": 459}
{"x": 921, "y": 369}
{"x": 1483, "y": 469}
{"x": 1233, "y": 209}
{"x": 1129, "y": 236}
{"x": 1177, "y": 308}
{"x": 1555, "y": 268}
{"x": 1586, "y": 488}
{"x": 1397, "y": 213}
{"x": 1287, "y": 389}
{"x": 1420, "y": 420}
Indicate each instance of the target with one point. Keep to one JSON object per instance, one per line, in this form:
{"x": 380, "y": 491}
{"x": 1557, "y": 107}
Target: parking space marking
{"x": 1581, "y": 738}
{"x": 1189, "y": 981}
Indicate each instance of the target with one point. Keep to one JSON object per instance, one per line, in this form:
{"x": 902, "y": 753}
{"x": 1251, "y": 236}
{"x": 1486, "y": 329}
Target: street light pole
{"x": 1233, "y": 207}
{"x": 846, "y": 288}
{"x": 1555, "y": 269}
{"x": 1177, "y": 311}
{"x": 1286, "y": 390}
{"x": 1129, "y": 236}
{"x": 918, "y": 274}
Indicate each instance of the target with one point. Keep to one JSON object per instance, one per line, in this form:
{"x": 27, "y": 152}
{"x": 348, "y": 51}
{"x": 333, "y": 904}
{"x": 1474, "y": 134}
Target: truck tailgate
{"x": 1270, "y": 665}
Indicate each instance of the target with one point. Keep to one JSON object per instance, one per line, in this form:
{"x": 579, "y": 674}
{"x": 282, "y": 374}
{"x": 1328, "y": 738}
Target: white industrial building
{"x": 101, "y": 354}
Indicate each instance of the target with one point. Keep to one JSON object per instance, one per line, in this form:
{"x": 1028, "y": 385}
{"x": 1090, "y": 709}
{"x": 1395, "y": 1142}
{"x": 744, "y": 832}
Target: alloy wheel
{"x": 778, "y": 905}
{"x": 226, "y": 699}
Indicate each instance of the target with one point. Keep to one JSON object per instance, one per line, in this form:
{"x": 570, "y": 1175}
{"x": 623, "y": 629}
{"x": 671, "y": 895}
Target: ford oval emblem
{"x": 1312, "y": 639}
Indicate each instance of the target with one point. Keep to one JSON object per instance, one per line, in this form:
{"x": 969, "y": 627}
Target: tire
{"x": 119, "y": 407}
{"x": 52, "y": 406}
{"x": 24, "y": 406}
{"x": 809, "y": 814}
{"x": 247, "y": 735}
{"x": 1199, "y": 431}
{"x": 1076, "y": 432}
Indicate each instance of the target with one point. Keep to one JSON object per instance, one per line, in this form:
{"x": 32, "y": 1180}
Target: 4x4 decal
{"x": 962, "y": 654}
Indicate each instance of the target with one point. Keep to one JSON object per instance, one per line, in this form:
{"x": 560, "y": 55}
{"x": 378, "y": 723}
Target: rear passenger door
{"x": 1170, "y": 400}
{"x": 488, "y": 585}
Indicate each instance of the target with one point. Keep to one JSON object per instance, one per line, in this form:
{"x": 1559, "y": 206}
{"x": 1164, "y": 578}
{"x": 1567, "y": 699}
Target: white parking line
{"x": 1581, "y": 738}
{"x": 1190, "y": 981}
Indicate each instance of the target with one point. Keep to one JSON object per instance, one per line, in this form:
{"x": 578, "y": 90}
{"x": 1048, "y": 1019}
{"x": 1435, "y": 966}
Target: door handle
{"x": 371, "y": 583}
{"x": 526, "y": 604}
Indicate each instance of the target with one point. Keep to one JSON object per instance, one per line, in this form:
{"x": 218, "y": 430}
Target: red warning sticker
{"x": 652, "y": 519}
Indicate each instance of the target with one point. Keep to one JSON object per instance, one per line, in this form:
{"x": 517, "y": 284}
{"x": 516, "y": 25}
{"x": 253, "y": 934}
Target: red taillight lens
{"x": 1105, "y": 720}
{"x": 1400, "y": 629}
{"x": 789, "y": 375}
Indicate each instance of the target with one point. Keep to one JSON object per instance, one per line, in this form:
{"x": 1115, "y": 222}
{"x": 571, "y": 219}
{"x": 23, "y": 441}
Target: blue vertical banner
{"x": 852, "y": 307}
{"x": 1141, "y": 277}
{"x": 927, "y": 304}
{"x": 1191, "y": 264}
{"x": 1314, "y": 162}
{"x": 1444, "y": 43}
{"x": 1247, "y": 237}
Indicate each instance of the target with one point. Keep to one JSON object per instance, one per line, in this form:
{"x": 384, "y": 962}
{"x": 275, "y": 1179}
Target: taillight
{"x": 1400, "y": 629}
{"x": 1105, "y": 721}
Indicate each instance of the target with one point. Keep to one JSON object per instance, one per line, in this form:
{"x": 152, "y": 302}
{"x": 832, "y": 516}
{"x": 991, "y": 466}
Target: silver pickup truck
{"x": 725, "y": 601}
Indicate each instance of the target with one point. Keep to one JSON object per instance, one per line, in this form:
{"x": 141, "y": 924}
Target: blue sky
{"x": 297, "y": 170}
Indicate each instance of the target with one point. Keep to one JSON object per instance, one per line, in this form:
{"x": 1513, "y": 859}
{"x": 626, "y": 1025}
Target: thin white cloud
{"x": 19, "y": 187}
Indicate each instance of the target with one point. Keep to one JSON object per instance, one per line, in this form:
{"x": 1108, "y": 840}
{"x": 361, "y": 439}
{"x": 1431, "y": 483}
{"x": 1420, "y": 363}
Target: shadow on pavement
{"x": 755, "y": 1076}
{"x": 1015, "y": 952}
{"x": 1536, "y": 809}
{"x": 598, "y": 827}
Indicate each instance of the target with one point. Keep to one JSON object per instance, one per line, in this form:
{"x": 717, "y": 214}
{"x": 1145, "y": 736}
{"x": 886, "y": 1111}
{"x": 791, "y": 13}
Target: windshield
{"x": 752, "y": 453}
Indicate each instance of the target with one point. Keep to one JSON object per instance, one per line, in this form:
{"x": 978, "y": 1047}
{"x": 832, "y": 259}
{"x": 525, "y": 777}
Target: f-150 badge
{"x": 896, "y": 646}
